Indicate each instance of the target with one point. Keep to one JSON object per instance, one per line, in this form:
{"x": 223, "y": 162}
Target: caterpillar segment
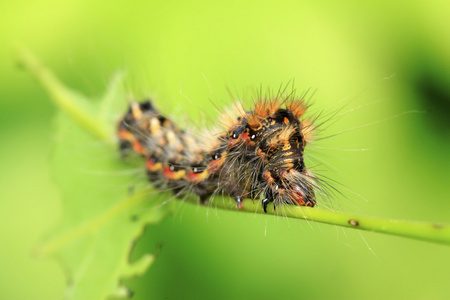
{"x": 174, "y": 159}
{"x": 265, "y": 152}
{"x": 259, "y": 155}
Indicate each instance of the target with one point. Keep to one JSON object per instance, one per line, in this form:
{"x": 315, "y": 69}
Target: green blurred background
{"x": 377, "y": 59}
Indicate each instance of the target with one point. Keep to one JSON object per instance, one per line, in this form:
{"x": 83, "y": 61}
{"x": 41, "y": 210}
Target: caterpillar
{"x": 258, "y": 155}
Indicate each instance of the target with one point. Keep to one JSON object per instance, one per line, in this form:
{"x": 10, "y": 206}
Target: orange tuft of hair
{"x": 273, "y": 106}
{"x": 297, "y": 107}
{"x": 285, "y": 134}
{"x": 260, "y": 109}
{"x": 307, "y": 131}
{"x": 254, "y": 121}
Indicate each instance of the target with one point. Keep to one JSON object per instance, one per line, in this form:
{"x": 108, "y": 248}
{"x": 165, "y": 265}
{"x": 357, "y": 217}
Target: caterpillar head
{"x": 268, "y": 143}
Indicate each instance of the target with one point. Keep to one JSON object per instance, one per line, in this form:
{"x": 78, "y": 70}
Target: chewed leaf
{"x": 102, "y": 220}
{"x": 105, "y": 211}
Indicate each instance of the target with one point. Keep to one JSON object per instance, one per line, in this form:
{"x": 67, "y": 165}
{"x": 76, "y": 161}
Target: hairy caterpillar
{"x": 259, "y": 154}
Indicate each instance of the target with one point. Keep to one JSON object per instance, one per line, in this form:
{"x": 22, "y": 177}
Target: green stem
{"x": 431, "y": 232}
{"x": 83, "y": 113}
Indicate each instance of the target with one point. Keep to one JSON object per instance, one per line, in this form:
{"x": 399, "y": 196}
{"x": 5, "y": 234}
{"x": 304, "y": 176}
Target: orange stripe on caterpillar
{"x": 126, "y": 135}
{"x": 153, "y": 166}
{"x": 197, "y": 177}
{"x": 171, "y": 174}
{"x": 137, "y": 147}
{"x": 217, "y": 161}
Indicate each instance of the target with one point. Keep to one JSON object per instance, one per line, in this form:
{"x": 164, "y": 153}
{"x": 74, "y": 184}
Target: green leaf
{"x": 102, "y": 216}
{"x": 102, "y": 219}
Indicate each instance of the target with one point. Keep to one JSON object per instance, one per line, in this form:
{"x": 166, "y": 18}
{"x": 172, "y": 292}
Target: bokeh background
{"x": 378, "y": 60}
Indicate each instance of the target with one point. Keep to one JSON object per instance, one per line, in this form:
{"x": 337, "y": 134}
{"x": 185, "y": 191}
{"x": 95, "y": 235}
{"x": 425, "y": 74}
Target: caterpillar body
{"x": 259, "y": 154}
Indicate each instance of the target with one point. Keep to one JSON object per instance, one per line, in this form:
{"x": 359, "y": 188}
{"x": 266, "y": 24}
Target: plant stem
{"x": 84, "y": 114}
{"x": 72, "y": 103}
{"x": 431, "y": 232}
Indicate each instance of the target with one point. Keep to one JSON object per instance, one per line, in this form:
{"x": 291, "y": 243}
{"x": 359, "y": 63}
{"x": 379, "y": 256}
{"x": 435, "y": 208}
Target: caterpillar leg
{"x": 274, "y": 205}
{"x": 266, "y": 202}
{"x": 310, "y": 203}
{"x": 268, "y": 197}
{"x": 239, "y": 203}
{"x": 204, "y": 200}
